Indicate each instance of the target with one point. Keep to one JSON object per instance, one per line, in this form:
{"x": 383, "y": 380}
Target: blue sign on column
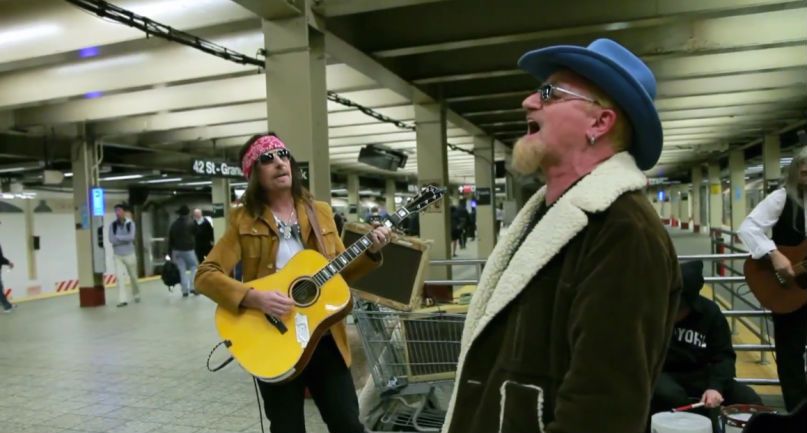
{"x": 97, "y": 195}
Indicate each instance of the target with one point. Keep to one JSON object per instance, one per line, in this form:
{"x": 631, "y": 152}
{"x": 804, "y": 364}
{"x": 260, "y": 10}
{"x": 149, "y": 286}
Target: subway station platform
{"x": 141, "y": 368}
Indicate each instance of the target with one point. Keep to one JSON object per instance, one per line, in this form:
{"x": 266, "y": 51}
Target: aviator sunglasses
{"x": 269, "y": 157}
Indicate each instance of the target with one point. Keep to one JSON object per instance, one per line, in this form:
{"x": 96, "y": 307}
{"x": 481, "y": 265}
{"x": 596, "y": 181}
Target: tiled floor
{"x": 135, "y": 369}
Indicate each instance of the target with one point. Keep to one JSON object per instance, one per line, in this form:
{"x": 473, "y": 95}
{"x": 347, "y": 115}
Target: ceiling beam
{"x": 701, "y": 31}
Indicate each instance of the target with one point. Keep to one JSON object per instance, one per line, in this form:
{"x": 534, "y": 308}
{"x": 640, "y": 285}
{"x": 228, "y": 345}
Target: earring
{"x": 591, "y": 139}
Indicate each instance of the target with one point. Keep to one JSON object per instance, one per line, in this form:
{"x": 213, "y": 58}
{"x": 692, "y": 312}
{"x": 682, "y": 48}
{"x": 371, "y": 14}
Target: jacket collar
{"x": 513, "y": 264}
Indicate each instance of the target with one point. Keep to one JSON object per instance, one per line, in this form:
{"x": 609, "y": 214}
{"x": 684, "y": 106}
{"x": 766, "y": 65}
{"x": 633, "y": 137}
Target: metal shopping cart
{"x": 412, "y": 358}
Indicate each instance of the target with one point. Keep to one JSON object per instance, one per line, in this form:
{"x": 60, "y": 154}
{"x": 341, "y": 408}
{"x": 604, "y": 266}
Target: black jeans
{"x": 673, "y": 391}
{"x": 331, "y": 386}
{"x": 3, "y": 301}
{"x": 790, "y": 332}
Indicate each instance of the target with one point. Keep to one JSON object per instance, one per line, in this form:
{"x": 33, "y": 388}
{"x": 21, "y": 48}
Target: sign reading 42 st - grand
{"x": 216, "y": 168}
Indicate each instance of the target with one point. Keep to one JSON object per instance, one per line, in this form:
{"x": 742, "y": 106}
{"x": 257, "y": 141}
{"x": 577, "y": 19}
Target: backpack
{"x": 170, "y": 274}
{"x": 115, "y": 227}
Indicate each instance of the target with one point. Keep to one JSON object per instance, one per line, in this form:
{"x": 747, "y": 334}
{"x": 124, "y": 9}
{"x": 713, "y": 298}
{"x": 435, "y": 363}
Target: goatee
{"x": 528, "y": 153}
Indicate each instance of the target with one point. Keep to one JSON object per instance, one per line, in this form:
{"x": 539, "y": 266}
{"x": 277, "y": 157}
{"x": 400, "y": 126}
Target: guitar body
{"x": 259, "y": 346}
{"x": 762, "y": 279}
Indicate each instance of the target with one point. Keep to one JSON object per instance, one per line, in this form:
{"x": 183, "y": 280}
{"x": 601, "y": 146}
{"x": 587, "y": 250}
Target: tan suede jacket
{"x": 254, "y": 241}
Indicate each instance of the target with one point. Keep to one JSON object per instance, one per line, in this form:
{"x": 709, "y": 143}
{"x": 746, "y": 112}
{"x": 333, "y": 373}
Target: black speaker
{"x": 501, "y": 170}
{"x": 137, "y": 196}
{"x": 398, "y": 283}
{"x": 382, "y": 157}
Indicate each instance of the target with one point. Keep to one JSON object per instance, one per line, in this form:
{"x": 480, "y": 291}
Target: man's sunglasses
{"x": 269, "y": 157}
{"x": 550, "y": 92}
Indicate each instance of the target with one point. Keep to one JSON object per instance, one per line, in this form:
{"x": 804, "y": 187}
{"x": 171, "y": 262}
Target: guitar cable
{"x": 258, "y": 397}
{"x": 228, "y": 343}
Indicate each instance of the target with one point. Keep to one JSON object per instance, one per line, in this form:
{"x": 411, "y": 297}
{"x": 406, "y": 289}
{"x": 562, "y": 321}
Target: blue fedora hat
{"x": 619, "y": 74}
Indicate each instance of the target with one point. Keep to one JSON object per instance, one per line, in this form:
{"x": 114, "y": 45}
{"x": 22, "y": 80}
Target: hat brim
{"x": 614, "y": 81}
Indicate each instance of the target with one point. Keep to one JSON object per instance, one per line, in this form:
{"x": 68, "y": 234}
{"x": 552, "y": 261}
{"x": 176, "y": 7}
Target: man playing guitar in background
{"x": 277, "y": 221}
{"x": 783, "y": 213}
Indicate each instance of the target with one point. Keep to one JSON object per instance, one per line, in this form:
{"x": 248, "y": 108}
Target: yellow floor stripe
{"x": 748, "y": 364}
{"x": 49, "y": 295}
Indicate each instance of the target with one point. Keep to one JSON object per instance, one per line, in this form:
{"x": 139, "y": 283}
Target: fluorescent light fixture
{"x": 122, "y": 177}
{"x": 27, "y": 33}
{"x": 88, "y": 52}
{"x": 70, "y": 174}
{"x": 203, "y": 182}
{"x": 166, "y": 180}
{"x": 13, "y": 168}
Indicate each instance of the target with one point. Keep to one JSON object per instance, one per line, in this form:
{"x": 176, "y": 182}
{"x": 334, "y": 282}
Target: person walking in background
{"x": 121, "y": 235}
{"x": 7, "y": 306}
{"x": 181, "y": 242}
{"x": 204, "y": 235}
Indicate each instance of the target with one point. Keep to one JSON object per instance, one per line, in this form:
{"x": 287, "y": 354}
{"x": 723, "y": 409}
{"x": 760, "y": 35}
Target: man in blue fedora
{"x": 570, "y": 322}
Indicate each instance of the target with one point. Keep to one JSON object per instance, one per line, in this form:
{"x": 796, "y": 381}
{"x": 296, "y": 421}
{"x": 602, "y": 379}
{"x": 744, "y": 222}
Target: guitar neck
{"x": 356, "y": 249}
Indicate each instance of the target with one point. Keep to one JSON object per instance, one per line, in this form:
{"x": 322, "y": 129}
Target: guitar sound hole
{"x": 304, "y": 292}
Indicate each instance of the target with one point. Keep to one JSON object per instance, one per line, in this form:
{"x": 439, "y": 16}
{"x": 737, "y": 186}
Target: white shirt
{"x": 754, "y": 231}
{"x": 286, "y": 248}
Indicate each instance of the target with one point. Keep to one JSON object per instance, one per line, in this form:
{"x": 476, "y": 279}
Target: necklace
{"x": 288, "y": 229}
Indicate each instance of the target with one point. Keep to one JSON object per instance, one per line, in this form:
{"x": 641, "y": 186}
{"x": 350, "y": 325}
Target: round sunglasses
{"x": 550, "y": 92}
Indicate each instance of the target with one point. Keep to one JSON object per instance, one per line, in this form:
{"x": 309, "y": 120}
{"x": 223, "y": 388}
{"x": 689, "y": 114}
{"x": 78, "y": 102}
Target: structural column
{"x": 389, "y": 195}
{"x": 85, "y": 176}
{"x": 221, "y": 206}
{"x": 484, "y": 174}
{"x": 684, "y": 212}
{"x": 695, "y": 197}
{"x": 737, "y": 173}
{"x": 771, "y": 151}
{"x": 353, "y": 197}
{"x": 296, "y": 97}
{"x": 715, "y": 197}
{"x": 30, "y": 232}
{"x": 433, "y": 169}
{"x": 675, "y": 206}
{"x": 665, "y": 204}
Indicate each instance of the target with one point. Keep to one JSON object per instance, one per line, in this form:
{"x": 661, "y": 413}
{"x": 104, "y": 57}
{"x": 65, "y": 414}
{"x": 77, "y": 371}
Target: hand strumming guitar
{"x": 781, "y": 264}
{"x": 273, "y": 303}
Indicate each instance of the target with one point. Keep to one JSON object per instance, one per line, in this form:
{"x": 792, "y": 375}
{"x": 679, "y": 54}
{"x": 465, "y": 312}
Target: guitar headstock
{"x": 428, "y": 195}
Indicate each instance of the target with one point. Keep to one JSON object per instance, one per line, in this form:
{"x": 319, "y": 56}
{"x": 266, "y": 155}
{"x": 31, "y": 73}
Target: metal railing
{"x": 727, "y": 282}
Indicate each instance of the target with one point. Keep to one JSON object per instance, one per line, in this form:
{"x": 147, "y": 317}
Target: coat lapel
{"x": 510, "y": 270}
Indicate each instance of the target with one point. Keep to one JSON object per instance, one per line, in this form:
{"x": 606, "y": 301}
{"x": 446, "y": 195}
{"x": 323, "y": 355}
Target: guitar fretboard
{"x": 343, "y": 260}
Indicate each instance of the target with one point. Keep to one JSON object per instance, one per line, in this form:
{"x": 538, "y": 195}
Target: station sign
{"x": 209, "y": 168}
{"x": 97, "y": 197}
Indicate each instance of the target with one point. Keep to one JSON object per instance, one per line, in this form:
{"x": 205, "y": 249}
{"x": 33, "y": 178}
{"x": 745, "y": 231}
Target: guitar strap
{"x": 312, "y": 218}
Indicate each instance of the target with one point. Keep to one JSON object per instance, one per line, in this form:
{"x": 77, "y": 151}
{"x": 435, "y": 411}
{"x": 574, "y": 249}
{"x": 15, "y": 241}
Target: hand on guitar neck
{"x": 782, "y": 265}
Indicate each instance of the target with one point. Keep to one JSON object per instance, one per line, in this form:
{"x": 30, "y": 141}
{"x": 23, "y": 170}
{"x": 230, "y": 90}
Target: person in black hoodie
{"x": 700, "y": 360}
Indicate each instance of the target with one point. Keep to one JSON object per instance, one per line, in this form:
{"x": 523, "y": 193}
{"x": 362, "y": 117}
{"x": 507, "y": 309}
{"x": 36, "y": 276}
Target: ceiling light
{"x": 167, "y": 180}
{"x": 70, "y": 174}
{"x": 84, "y": 66}
{"x": 24, "y": 34}
{"x": 122, "y": 177}
{"x": 203, "y": 182}
{"x": 13, "y": 168}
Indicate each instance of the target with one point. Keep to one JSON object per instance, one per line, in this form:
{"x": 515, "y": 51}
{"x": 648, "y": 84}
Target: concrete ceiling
{"x": 729, "y": 71}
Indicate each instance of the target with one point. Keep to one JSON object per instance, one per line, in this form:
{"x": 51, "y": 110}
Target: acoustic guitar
{"x": 773, "y": 291}
{"x": 277, "y": 349}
